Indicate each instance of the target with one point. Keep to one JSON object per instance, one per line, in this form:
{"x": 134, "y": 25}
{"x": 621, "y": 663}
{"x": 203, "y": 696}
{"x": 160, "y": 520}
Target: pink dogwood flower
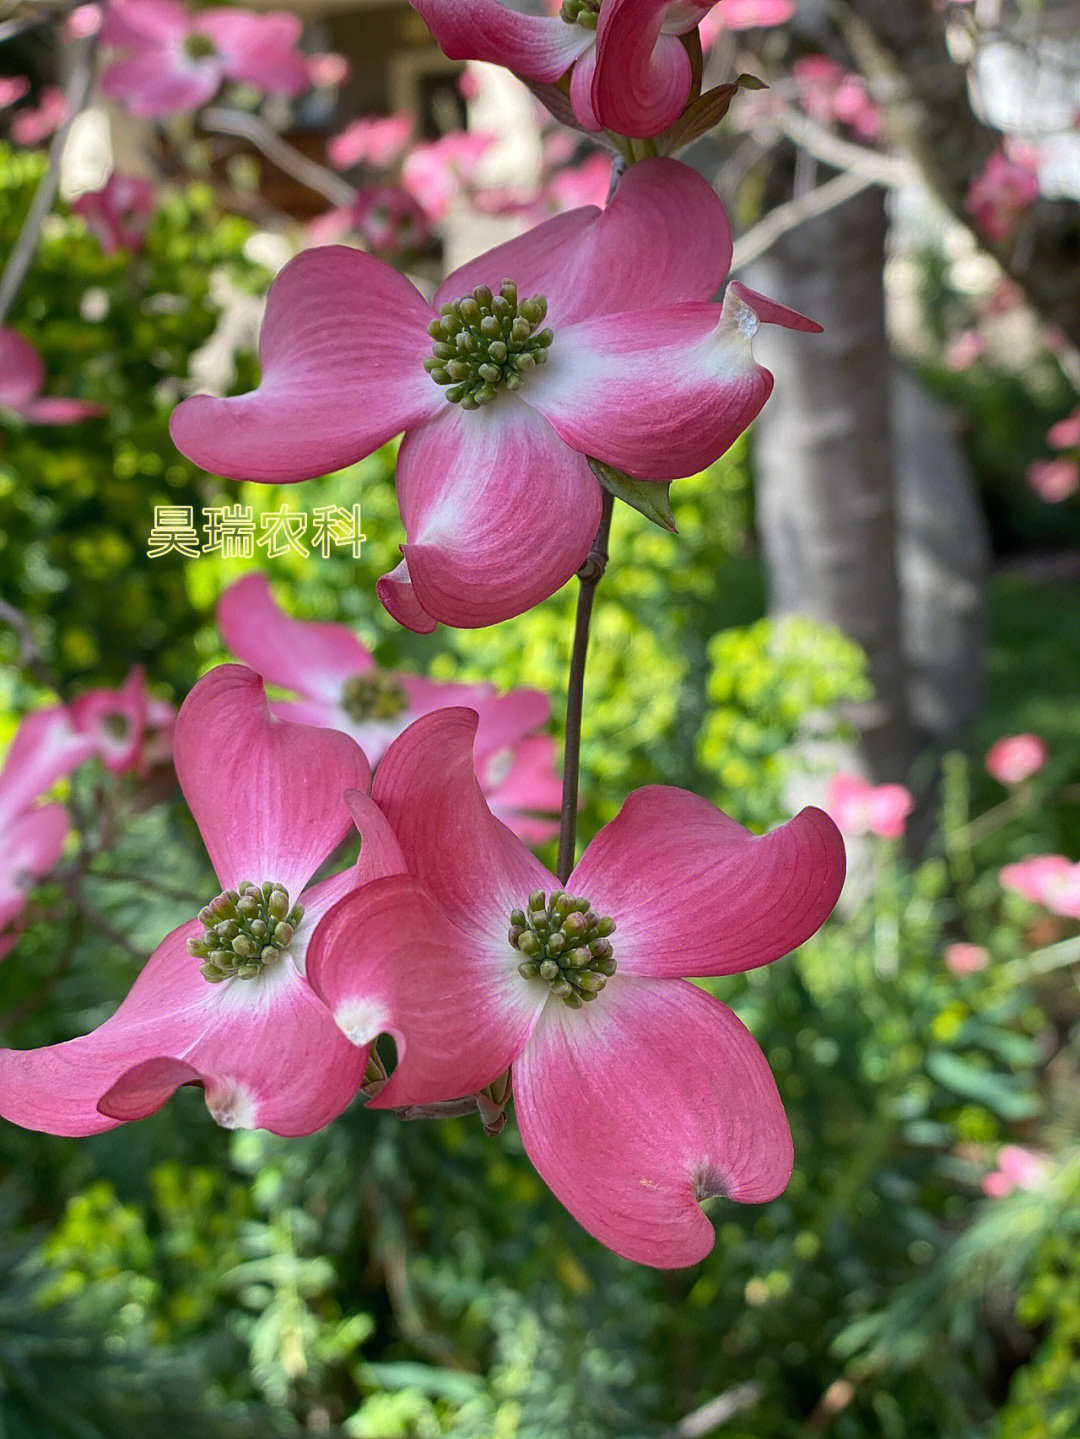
{"x": 629, "y": 71}
{"x": 117, "y": 213}
{"x": 1017, "y": 1168}
{"x": 744, "y": 15}
{"x": 1047, "y": 879}
{"x": 35, "y": 123}
{"x": 174, "y": 61}
{"x": 46, "y": 747}
{"x": 12, "y": 88}
{"x": 862, "y": 808}
{"x": 1065, "y": 435}
{"x": 389, "y": 221}
{"x": 116, "y": 722}
{"x": 376, "y": 140}
{"x": 832, "y": 95}
{"x": 223, "y": 1001}
{"x": 1016, "y": 758}
{"x": 342, "y": 688}
{"x": 590, "y": 335}
{"x": 1006, "y": 186}
{"x": 964, "y": 958}
{"x": 1054, "y": 480}
{"x": 637, "y": 1093}
{"x": 327, "y": 69}
{"x": 22, "y": 378}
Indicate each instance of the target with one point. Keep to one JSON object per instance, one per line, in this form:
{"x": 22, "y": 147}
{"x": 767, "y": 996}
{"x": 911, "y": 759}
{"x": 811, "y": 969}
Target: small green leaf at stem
{"x": 649, "y": 497}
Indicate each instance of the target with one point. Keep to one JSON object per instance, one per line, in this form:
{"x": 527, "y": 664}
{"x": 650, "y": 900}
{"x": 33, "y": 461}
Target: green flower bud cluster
{"x": 375, "y": 694}
{"x": 246, "y": 929}
{"x": 486, "y": 341}
{"x": 565, "y": 942}
{"x": 581, "y": 12}
{"x": 117, "y": 726}
{"x": 197, "y": 46}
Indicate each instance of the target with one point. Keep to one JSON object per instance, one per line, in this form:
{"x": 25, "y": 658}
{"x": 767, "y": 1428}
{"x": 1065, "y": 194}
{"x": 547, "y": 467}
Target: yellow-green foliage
{"x": 771, "y": 684}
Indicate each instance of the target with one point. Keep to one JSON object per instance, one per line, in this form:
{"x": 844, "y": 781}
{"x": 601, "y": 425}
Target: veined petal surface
{"x": 342, "y": 350}
{"x": 646, "y": 1101}
{"x": 694, "y": 893}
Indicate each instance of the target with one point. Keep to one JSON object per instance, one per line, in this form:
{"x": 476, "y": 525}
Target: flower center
{"x": 580, "y": 12}
{"x": 116, "y": 726}
{"x": 198, "y": 46}
{"x": 375, "y": 694}
{"x": 565, "y": 942}
{"x": 485, "y": 341}
{"x": 245, "y": 930}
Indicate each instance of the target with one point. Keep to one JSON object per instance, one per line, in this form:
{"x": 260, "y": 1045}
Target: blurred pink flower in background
{"x": 174, "y": 61}
{"x": 241, "y": 1021}
{"x": 1016, "y": 757}
{"x": 12, "y": 88}
{"x": 82, "y": 22}
{"x": 744, "y": 15}
{"x": 378, "y": 140}
{"x": 835, "y": 96}
{"x": 342, "y": 688}
{"x": 327, "y": 69}
{"x": 388, "y": 220}
{"x": 435, "y": 171}
{"x": 31, "y": 125}
{"x": 117, "y": 213}
{"x": 1065, "y": 435}
{"x": 46, "y": 748}
{"x": 859, "y": 807}
{"x": 1054, "y": 480}
{"x": 1017, "y": 1168}
{"x": 1046, "y": 879}
{"x": 22, "y": 378}
{"x": 964, "y": 958}
{"x": 964, "y": 349}
{"x": 1006, "y": 186}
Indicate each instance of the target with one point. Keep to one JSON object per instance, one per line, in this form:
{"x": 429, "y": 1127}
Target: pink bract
{"x": 1016, "y": 758}
{"x": 833, "y": 95}
{"x": 1054, "y": 480}
{"x": 860, "y": 808}
{"x": 117, "y": 213}
{"x": 22, "y": 378}
{"x": 1048, "y": 879}
{"x": 1001, "y": 192}
{"x": 338, "y": 680}
{"x": 33, "y": 124}
{"x": 46, "y": 748}
{"x": 173, "y": 60}
{"x": 964, "y": 958}
{"x": 268, "y": 797}
{"x": 1017, "y": 1168}
{"x": 499, "y": 503}
{"x": 631, "y": 74}
{"x": 1065, "y": 435}
{"x": 636, "y": 1106}
{"x": 376, "y": 140}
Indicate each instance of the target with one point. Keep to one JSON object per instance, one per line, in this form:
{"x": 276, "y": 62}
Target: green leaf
{"x": 993, "y": 1089}
{"x": 649, "y": 497}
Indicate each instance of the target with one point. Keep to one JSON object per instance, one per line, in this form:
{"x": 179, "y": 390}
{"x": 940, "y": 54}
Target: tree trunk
{"x": 826, "y": 506}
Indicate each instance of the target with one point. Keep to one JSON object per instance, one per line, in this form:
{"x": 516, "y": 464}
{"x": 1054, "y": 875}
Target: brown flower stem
{"x": 589, "y": 576}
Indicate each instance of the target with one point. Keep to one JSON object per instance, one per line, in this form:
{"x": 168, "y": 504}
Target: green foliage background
{"x": 385, "y": 1279}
